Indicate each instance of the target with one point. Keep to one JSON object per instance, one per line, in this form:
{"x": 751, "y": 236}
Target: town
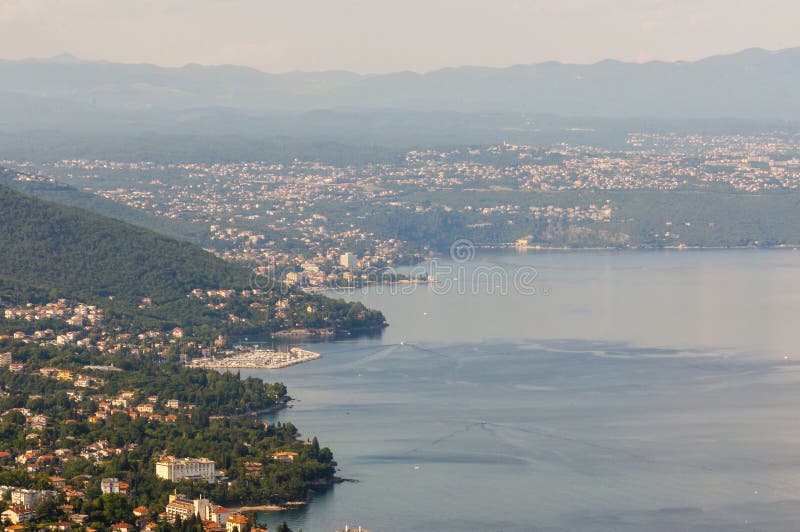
{"x": 314, "y": 223}
{"x": 71, "y": 430}
{"x": 78, "y": 406}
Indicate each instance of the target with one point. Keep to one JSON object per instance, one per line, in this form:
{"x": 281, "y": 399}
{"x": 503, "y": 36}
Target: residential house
{"x": 18, "y": 514}
{"x": 113, "y": 485}
{"x": 38, "y": 422}
{"x": 253, "y": 469}
{"x": 236, "y": 523}
{"x": 284, "y": 456}
{"x": 144, "y": 408}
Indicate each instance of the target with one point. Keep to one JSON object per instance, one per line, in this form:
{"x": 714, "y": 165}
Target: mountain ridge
{"x": 67, "y": 57}
{"x": 753, "y": 83}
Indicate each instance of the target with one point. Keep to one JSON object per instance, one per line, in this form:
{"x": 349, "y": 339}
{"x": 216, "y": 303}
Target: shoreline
{"x": 270, "y": 507}
{"x": 530, "y": 247}
{"x": 284, "y": 404}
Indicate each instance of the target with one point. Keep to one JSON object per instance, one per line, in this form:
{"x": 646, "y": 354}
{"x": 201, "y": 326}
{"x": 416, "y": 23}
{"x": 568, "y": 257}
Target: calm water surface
{"x": 631, "y": 391}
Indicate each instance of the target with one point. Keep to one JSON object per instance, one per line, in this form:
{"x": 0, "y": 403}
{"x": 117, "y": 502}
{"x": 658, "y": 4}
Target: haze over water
{"x": 633, "y": 391}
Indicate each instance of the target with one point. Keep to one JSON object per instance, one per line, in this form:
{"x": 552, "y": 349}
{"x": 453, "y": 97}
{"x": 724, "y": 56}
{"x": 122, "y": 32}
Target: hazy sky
{"x": 383, "y": 35}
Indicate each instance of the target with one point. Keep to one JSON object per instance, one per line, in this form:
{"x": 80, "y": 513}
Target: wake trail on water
{"x": 495, "y": 429}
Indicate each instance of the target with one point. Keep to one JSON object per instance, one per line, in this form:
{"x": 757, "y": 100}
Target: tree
{"x": 283, "y": 527}
{"x": 47, "y": 510}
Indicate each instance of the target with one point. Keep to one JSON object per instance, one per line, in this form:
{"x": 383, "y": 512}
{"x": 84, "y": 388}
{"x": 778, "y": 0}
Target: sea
{"x": 561, "y": 391}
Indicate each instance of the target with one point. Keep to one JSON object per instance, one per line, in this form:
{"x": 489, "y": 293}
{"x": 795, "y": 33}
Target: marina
{"x": 258, "y": 358}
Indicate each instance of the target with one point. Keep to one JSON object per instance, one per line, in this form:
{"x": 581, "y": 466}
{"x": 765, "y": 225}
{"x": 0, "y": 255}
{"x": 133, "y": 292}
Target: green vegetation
{"x": 71, "y": 252}
{"x": 64, "y": 252}
{"x": 67, "y": 195}
{"x": 116, "y": 402}
{"x": 210, "y": 422}
{"x": 641, "y": 218}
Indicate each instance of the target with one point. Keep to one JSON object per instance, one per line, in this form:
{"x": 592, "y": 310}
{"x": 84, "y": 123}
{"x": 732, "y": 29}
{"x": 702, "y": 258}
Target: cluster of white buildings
{"x": 214, "y": 517}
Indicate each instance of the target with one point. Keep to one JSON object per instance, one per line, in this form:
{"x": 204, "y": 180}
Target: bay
{"x": 598, "y": 391}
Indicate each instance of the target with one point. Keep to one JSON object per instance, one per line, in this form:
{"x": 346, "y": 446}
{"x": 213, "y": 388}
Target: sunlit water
{"x": 631, "y": 391}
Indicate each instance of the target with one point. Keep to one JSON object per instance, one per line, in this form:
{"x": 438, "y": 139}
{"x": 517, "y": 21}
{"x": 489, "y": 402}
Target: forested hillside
{"x": 71, "y": 252}
{"x": 50, "y": 190}
{"x": 50, "y": 251}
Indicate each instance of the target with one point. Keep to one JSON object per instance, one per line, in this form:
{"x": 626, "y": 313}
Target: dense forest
{"x": 69, "y": 250}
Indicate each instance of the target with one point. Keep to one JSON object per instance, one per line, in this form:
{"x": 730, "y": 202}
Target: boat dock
{"x": 258, "y": 359}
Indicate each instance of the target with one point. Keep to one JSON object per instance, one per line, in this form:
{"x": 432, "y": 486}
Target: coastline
{"x": 270, "y": 507}
{"x": 283, "y": 404}
{"x": 681, "y": 247}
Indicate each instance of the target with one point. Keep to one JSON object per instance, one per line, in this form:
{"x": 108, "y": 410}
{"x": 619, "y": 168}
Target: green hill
{"x": 68, "y": 195}
{"x": 71, "y": 252}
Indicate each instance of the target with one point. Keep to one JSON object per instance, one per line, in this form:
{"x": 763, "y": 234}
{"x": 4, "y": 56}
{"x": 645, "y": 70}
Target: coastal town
{"x": 55, "y": 451}
{"x": 314, "y": 223}
{"x": 67, "y": 323}
{"x": 375, "y": 266}
{"x": 41, "y": 461}
{"x": 46, "y": 461}
{"x": 24, "y": 505}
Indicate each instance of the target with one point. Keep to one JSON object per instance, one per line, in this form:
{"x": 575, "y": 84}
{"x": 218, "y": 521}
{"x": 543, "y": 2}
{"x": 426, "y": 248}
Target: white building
{"x": 28, "y": 498}
{"x": 113, "y": 485}
{"x": 18, "y": 514}
{"x": 183, "y": 507}
{"x": 176, "y": 469}
{"x": 235, "y": 523}
{"x": 348, "y": 260}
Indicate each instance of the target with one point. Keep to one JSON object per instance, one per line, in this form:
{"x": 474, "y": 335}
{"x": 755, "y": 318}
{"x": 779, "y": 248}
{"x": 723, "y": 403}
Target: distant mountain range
{"x": 64, "y": 107}
{"x": 753, "y": 84}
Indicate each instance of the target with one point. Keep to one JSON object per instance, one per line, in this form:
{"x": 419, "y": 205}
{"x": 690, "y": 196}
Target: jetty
{"x": 257, "y": 358}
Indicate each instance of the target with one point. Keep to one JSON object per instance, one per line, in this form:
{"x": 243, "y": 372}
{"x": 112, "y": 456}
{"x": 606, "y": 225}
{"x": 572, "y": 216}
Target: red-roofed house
{"x": 236, "y": 523}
